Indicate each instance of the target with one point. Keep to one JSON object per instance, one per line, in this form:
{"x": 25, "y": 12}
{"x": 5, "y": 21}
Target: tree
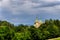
{"x": 6, "y": 33}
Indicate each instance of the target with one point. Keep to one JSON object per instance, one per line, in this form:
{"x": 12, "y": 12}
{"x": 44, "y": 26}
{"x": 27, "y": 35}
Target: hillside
{"x": 48, "y": 30}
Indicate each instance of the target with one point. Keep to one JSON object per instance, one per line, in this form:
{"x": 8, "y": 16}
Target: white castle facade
{"x": 37, "y": 23}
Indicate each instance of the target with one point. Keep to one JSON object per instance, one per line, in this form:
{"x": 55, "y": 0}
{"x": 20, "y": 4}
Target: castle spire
{"x": 37, "y": 23}
{"x": 36, "y": 19}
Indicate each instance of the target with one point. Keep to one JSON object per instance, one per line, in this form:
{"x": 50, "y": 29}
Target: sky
{"x": 26, "y": 11}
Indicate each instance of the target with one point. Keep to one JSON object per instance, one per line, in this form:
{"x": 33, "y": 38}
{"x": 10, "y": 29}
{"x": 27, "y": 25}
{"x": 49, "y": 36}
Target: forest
{"x": 49, "y": 29}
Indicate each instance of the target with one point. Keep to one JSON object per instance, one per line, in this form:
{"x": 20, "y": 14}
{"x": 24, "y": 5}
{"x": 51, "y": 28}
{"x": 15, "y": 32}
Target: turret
{"x": 37, "y": 23}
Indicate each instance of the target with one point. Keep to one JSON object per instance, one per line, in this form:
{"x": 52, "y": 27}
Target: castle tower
{"x": 37, "y": 23}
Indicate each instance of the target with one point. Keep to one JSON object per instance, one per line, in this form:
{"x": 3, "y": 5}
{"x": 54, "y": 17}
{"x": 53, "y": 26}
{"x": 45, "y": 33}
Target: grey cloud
{"x": 51, "y": 4}
{"x": 0, "y": 0}
{"x": 17, "y": 2}
{"x": 28, "y": 6}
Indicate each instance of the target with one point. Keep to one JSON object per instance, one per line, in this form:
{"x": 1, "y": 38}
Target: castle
{"x": 37, "y": 23}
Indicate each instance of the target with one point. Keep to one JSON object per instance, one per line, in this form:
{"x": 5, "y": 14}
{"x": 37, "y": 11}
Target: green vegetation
{"x": 55, "y": 38}
{"x": 49, "y": 29}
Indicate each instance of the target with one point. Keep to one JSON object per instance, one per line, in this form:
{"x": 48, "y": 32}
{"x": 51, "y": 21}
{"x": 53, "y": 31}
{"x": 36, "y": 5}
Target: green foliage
{"x": 49, "y": 29}
{"x": 6, "y": 33}
{"x": 22, "y": 36}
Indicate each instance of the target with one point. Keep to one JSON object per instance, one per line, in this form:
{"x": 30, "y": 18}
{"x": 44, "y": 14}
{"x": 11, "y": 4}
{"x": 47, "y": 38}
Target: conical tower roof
{"x": 36, "y": 19}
